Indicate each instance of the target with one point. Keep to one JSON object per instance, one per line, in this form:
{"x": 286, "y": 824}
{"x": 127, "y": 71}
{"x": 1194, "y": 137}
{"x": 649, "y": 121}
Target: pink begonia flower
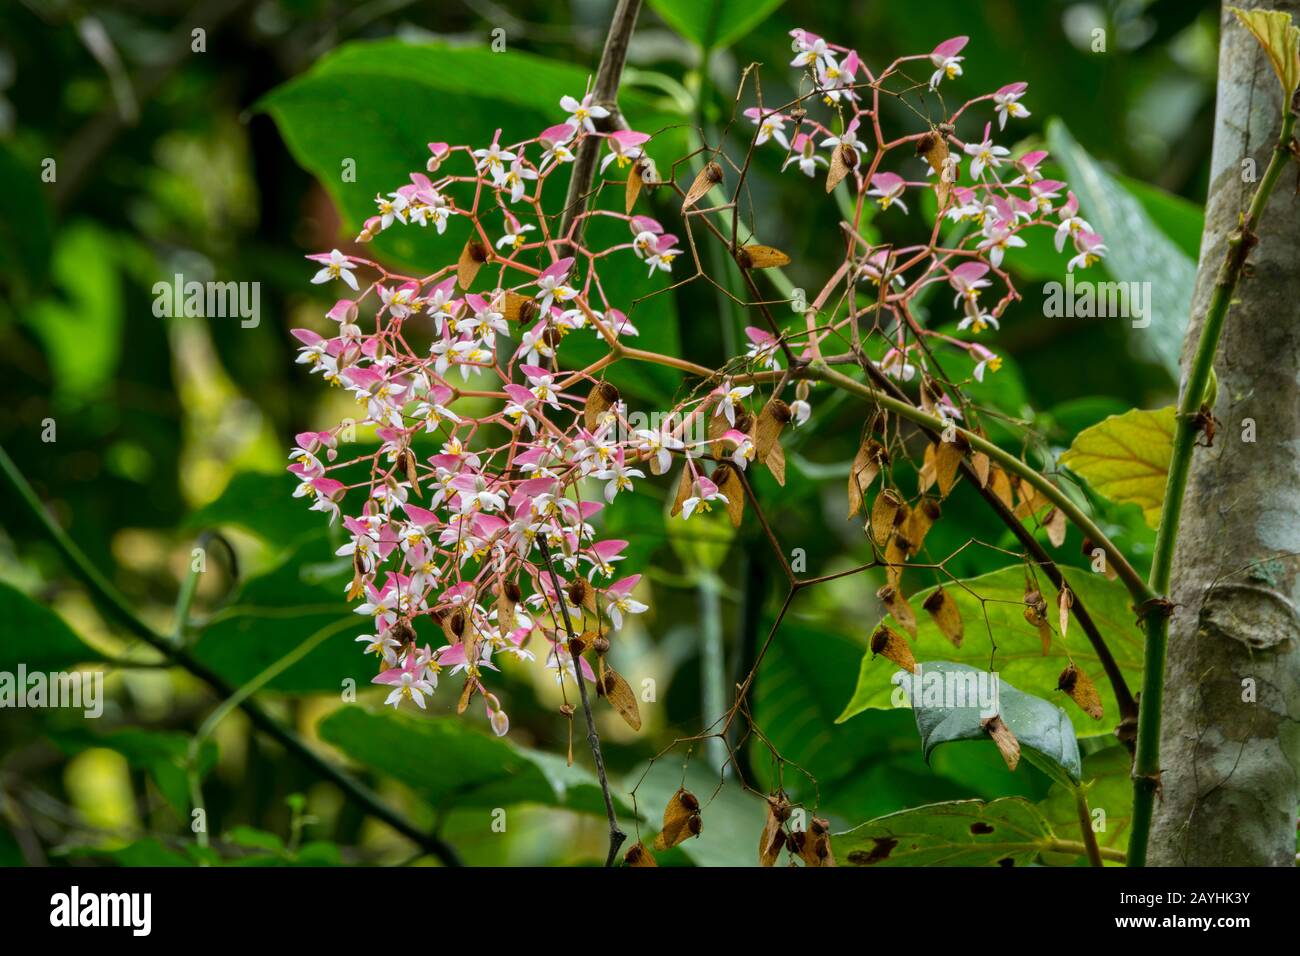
{"x": 984, "y": 155}
{"x": 887, "y": 188}
{"x": 763, "y": 347}
{"x": 1071, "y": 223}
{"x": 986, "y": 360}
{"x": 1089, "y": 247}
{"x": 336, "y": 266}
{"x": 412, "y": 680}
{"x": 582, "y": 113}
{"x": 1007, "y": 102}
{"x": 706, "y": 493}
{"x": 770, "y": 126}
{"x": 946, "y": 60}
{"x": 804, "y": 153}
{"x": 624, "y": 147}
{"x": 621, "y": 601}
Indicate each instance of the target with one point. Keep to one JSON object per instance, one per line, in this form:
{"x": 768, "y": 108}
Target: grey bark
{"x": 1230, "y": 765}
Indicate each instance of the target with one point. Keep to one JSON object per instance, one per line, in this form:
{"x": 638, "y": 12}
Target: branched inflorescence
{"x": 467, "y": 537}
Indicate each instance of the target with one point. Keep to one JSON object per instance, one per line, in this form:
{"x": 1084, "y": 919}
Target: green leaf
{"x": 714, "y": 24}
{"x": 998, "y": 636}
{"x": 1109, "y": 787}
{"x": 1138, "y": 250}
{"x": 162, "y": 754}
{"x": 1044, "y": 731}
{"x": 36, "y": 637}
{"x": 450, "y": 763}
{"x": 24, "y": 222}
{"x": 276, "y": 612}
{"x": 145, "y": 852}
{"x": 261, "y": 504}
{"x": 1006, "y": 832}
{"x": 1126, "y": 458}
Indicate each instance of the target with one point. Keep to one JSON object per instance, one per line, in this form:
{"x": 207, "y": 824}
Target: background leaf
{"x": 1006, "y": 832}
{"x": 1126, "y": 458}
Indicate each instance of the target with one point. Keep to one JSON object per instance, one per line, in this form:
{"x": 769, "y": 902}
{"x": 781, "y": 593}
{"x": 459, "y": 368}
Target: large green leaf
{"x": 1126, "y": 458}
{"x": 274, "y": 613}
{"x": 452, "y": 764}
{"x": 163, "y": 755}
{"x": 1006, "y": 832}
{"x": 36, "y": 637}
{"x": 262, "y": 504}
{"x": 998, "y": 637}
{"x": 1139, "y": 250}
{"x": 714, "y": 24}
{"x": 379, "y": 104}
{"x": 1044, "y": 731}
{"x": 24, "y": 222}
{"x": 1108, "y": 783}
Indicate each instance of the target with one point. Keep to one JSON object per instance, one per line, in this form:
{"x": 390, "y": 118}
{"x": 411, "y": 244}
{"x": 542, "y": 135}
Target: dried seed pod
{"x": 520, "y": 308}
{"x": 681, "y": 820}
{"x": 897, "y": 552}
{"x": 942, "y": 607}
{"x": 1007, "y": 743}
{"x": 883, "y": 512}
{"x": 1055, "y": 525}
{"x": 581, "y": 594}
{"x": 683, "y": 491}
{"x": 601, "y": 645}
{"x": 1064, "y": 601}
{"x": 776, "y": 464}
{"x": 896, "y": 604}
{"x": 767, "y": 432}
{"x": 466, "y": 693}
{"x": 920, "y": 519}
{"x": 1081, "y": 690}
{"x": 615, "y": 689}
{"x": 892, "y": 646}
{"x": 406, "y": 461}
{"x": 1036, "y": 614}
{"x": 508, "y": 597}
{"x": 453, "y": 626}
{"x": 928, "y": 473}
{"x": 947, "y": 457}
{"x": 933, "y": 147}
{"x": 729, "y": 482}
{"x": 760, "y": 257}
{"x": 602, "y": 397}
{"x": 816, "y": 848}
{"x": 1001, "y": 485}
{"x": 706, "y": 179}
{"x": 638, "y": 855}
{"x": 867, "y": 463}
{"x": 634, "y": 182}
{"x": 773, "y": 837}
{"x": 843, "y": 159}
{"x": 981, "y": 464}
{"x": 472, "y": 258}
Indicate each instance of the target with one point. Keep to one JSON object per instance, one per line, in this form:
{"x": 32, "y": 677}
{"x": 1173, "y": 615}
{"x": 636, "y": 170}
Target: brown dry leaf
{"x": 947, "y": 457}
{"x": 729, "y": 482}
{"x": 634, "y": 182}
{"x": 866, "y": 466}
{"x": 896, "y": 604}
{"x": 1055, "y": 525}
{"x": 892, "y": 646}
{"x": 683, "y": 491}
{"x": 920, "y": 520}
{"x": 776, "y": 464}
{"x": 706, "y": 179}
{"x": 761, "y": 257}
{"x": 946, "y": 614}
{"x": 934, "y": 148}
{"x": 1082, "y": 690}
{"x": 883, "y": 514}
{"x": 602, "y": 397}
{"x": 767, "y": 432}
{"x": 472, "y": 258}
{"x": 842, "y": 160}
{"x": 638, "y": 855}
{"x": 773, "y": 838}
{"x": 1002, "y": 487}
{"x": 1064, "y": 601}
{"x": 980, "y": 462}
{"x": 1007, "y": 743}
{"x": 615, "y": 689}
{"x": 682, "y": 809}
{"x": 816, "y": 847}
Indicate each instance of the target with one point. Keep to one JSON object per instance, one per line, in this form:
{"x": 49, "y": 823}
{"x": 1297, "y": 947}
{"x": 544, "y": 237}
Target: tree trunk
{"x": 1230, "y": 749}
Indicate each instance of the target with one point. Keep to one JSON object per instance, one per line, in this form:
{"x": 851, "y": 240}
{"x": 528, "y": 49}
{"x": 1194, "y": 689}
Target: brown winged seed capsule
{"x": 891, "y": 646}
{"x": 682, "y": 809}
{"x": 1081, "y": 690}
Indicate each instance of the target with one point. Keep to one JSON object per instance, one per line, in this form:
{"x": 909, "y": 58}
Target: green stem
{"x": 1146, "y": 769}
{"x": 115, "y": 606}
{"x": 713, "y": 674}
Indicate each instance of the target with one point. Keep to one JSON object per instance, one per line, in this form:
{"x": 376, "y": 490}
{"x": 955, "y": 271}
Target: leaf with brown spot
{"x": 896, "y": 604}
{"x": 1007, "y": 743}
{"x": 615, "y": 689}
{"x": 472, "y": 258}
{"x": 705, "y": 179}
{"x": 883, "y": 512}
{"x": 1080, "y": 688}
{"x": 681, "y": 820}
{"x": 891, "y": 645}
{"x": 761, "y": 257}
{"x": 947, "y": 615}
